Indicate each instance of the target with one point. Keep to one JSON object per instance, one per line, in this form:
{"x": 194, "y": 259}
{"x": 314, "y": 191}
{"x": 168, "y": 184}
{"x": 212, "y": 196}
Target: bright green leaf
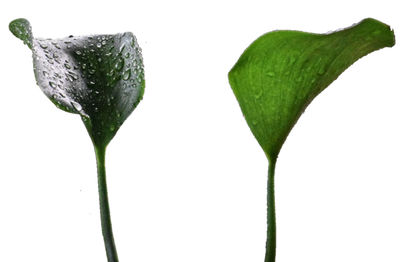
{"x": 281, "y": 72}
{"x": 279, "y": 75}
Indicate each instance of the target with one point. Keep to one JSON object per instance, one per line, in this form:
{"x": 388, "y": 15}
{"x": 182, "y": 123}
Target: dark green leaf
{"x": 281, "y": 72}
{"x": 99, "y": 77}
{"x": 22, "y": 29}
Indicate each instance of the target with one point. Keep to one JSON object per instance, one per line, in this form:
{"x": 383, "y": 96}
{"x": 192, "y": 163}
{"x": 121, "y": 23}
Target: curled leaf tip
{"x": 22, "y": 29}
{"x": 378, "y": 31}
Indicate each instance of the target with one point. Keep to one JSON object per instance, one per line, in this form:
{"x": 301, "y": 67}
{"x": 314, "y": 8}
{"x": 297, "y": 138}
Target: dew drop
{"x": 43, "y": 45}
{"x": 126, "y": 75}
{"x": 77, "y": 106}
{"x": 121, "y": 48}
{"x": 119, "y": 64}
{"x": 52, "y": 84}
{"x": 71, "y": 77}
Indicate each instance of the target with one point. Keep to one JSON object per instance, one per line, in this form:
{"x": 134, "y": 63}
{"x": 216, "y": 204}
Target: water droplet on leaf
{"x": 77, "y": 106}
{"x": 43, "y": 45}
{"x": 126, "y": 75}
{"x": 119, "y": 64}
{"x": 52, "y": 84}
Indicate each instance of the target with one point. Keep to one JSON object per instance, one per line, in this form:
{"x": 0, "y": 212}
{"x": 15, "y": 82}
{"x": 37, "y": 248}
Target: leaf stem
{"x": 271, "y": 219}
{"x": 104, "y": 206}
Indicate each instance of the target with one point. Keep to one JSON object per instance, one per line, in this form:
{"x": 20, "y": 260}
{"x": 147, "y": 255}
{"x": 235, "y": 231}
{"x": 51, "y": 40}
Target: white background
{"x": 187, "y": 180}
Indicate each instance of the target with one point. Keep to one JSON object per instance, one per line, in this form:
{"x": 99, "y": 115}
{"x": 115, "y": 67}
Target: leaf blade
{"x": 99, "y": 77}
{"x": 281, "y": 72}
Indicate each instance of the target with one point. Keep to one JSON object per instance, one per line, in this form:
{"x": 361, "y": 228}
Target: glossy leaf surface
{"x": 99, "y": 77}
{"x": 281, "y": 72}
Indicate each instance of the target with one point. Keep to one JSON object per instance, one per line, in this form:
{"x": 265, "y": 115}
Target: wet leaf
{"x": 281, "y": 72}
{"x": 99, "y": 77}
